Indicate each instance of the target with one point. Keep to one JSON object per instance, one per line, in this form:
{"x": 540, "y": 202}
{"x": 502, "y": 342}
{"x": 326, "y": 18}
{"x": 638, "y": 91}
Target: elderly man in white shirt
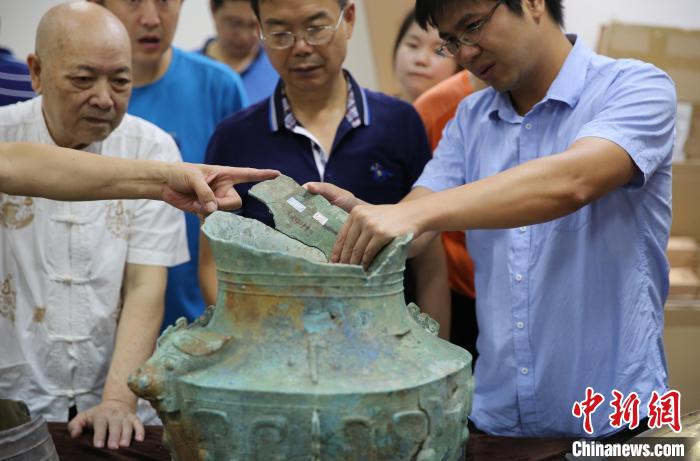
{"x": 82, "y": 283}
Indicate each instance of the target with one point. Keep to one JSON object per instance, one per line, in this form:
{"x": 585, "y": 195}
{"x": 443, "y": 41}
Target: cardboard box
{"x": 682, "y": 252}
{"x": 676, "y": 51}
{"x": 692, "y": 144}
{"x": 682, "y": 344}
{"x": 686, "y": 200}
{"x": 682, "y": 318}
{"x": 685, "y": 231}
{"x": 684, "y": 284}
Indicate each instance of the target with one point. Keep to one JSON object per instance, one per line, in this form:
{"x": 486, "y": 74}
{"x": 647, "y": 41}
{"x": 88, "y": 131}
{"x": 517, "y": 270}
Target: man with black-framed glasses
{"x": 320, "y": 125}
{"x": 561, "y": 174}
{"x": 470, "y": 36}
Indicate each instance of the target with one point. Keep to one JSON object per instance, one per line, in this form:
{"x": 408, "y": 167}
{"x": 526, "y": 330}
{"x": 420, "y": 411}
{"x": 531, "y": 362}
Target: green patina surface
{"x": 301, "y": 359}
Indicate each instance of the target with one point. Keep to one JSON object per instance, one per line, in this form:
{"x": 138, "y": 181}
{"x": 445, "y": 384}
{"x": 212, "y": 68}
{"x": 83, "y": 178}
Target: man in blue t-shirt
{"x": 15, "y": 83}
{"x": 186, "y": 95}
{"x": 320, "y": 125}
{"x": 237, "y": 44}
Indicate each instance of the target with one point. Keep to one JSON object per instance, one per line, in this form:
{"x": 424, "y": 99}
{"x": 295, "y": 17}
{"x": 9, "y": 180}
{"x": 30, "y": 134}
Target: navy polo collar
{"x": 277, "y": 110}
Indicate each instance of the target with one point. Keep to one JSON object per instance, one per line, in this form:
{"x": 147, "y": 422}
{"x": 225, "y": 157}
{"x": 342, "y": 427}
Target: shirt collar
{"x": 566, "y": 87}
{"x": 356, "y": 113}
{"x": 570, "y": 81}
{"x": 43, "y": 135}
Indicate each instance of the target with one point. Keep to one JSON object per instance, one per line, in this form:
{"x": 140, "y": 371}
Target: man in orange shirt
{"x": 436, "y": 107}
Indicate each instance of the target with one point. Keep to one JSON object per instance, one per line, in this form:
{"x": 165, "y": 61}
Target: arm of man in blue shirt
{"x": 534, "y": 192}
{"x": 622, "y": 144}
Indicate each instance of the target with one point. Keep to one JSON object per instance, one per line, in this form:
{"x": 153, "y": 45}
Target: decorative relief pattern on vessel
{"x": 305, "y": 360}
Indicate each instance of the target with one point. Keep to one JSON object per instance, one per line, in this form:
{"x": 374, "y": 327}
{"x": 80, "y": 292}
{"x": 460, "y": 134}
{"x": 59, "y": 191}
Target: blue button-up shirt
{"x": 577, "y": 301}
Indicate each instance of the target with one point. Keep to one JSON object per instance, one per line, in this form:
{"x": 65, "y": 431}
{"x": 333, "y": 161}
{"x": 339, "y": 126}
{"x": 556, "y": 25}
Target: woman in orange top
{"x": 436, "y": 107}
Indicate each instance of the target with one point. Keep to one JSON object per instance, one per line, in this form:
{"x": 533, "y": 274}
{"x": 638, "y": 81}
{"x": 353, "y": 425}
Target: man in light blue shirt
{"x": 187, "y": 95}
{"x": 561, "y": 173}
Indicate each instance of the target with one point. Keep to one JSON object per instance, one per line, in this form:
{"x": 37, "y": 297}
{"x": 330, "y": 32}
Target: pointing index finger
{"x": 240, "y": 175}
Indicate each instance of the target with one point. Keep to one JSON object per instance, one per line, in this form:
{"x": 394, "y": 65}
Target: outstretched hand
{"x": 111, "y": 418}
{"x": 368, "y": 229}
{"x": 203, "y": 189}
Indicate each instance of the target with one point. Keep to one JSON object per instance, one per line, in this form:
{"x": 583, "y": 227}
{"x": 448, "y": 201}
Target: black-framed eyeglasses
{"x": 317, "y": 35}
{"x": 471, "y": 36}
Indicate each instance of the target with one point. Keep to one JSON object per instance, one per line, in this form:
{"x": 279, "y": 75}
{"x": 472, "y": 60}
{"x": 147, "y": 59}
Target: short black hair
{"x": 256, "y": 5}
{"x": 408, "y": 21}
{"x": 427, "y": 10}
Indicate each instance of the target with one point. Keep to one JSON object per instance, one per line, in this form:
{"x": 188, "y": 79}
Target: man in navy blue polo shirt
{"x": 15, "y": 83}
{"x": 321, "y": 125}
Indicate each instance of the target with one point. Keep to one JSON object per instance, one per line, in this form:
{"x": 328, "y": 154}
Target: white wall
{"x": 196, "y": 26}
{"x": 18, "y": 20}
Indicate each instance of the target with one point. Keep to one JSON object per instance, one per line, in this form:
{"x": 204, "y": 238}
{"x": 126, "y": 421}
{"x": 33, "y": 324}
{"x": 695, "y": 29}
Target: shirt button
{"x": 528, "y": 126}
{"x": 520, "y": 325}
{"x": 523, "y": 229}
{"x": 518, "y": 278}
{"x": 524, "y": 371}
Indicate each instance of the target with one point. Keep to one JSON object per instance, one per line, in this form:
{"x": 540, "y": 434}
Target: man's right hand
{"x": 203, "y": 189}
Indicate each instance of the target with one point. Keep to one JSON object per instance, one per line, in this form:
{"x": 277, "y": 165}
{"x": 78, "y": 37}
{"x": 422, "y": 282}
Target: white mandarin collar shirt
{"x": 62, "y": 266}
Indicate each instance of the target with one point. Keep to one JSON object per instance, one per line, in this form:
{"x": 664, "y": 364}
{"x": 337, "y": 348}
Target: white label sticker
{"x": 296, "y": 204}
{"x": 320, "y": 218}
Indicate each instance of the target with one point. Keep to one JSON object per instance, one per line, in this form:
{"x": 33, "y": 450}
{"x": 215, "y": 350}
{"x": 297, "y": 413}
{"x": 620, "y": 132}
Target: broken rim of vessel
{"x": 250, "y": 235}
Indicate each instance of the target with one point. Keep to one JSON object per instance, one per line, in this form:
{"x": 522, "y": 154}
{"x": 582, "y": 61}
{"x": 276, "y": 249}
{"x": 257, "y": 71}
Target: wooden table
{"x": 481, "y": 447}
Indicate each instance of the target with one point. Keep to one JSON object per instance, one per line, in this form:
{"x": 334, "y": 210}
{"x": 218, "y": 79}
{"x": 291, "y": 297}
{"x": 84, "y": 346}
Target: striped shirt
{"x": 15, "y": 83}
{"x": 352, "y": 115}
